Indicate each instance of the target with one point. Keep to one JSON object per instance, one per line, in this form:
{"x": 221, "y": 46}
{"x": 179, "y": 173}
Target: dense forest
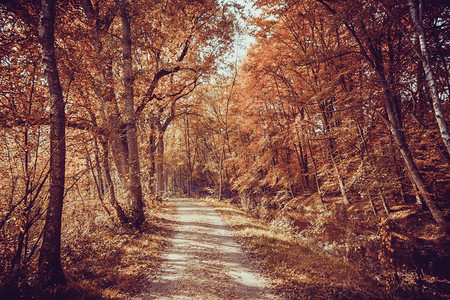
{"x": 334, "y": 126}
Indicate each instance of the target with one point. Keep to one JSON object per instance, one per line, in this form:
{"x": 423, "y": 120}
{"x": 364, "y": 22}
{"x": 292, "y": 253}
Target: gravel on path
{"x": 204, "y": 260}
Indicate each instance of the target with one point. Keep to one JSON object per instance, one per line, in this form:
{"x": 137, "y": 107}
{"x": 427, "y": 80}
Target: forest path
{"x": 204, "y": 261}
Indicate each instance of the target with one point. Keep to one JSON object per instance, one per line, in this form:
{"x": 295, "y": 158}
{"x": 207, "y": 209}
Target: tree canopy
{"x": 338, "y": 111}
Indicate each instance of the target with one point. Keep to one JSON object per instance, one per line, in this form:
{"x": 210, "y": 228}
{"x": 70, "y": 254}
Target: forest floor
{"x": 205, "y": 249}
{"x": 204, "y": 260}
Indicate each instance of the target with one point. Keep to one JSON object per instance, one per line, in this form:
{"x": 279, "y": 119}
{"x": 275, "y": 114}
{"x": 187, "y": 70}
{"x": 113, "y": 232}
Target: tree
{"x": 333, "y": 76}
{"x": 50, "y": 269}
{"x": 415, "y": 8}
{"x": 130, "y": 120}
{"x": 372, "y": 53}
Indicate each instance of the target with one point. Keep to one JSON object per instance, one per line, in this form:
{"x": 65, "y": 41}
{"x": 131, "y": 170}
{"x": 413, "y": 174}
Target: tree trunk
{"x": 98, "y": 181}
{"x": 339, "y": 178}
{"x": 410, "y": 164}
{"x": 315, "y": 173}
{"x": 137, "y": 203}
{"x": 50, "y": 271}
{"x": 416, "y": 16}
{"x": 302, "y": 158}
{"x": 189, "y": 160}
{"x": 385, "y": 205}
{"x": 117, "y": 136}
{"x": 222, "y": 154}
{"x": 104, "y": 88}
{"x": 160, "y": 163}
{"x": 98, "y": 166}
{"x": 375, "y": 60}
{"x": 109, "y": 183}
{"x": 174, "y": 181}
{"x": 151, "y": 158}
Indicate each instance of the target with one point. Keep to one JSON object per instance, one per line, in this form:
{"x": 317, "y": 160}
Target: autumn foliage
{"x": 329, "y": 128}
{"x": 332, "y": 125}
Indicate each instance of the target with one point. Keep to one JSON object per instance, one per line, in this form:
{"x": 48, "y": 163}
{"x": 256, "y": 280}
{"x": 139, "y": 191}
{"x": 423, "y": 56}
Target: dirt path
{"x": 205, "y": 262}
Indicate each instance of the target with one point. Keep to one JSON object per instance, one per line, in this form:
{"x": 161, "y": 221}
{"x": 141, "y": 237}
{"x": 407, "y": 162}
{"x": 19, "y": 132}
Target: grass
{"x": 115, "y": 263}
{"x": 297, "y": 270}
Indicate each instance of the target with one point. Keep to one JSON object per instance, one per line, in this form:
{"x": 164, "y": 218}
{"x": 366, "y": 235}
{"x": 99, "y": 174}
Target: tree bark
{"x": 189, "y": 159}
{"x": 104, "y": 88}
{"x": 50, "y": 271}
{"x": 98, "y": 181}
{"x": 137, "y": 203}
{"x": 98, "y": 166}
{"x": 339, "y": 177}
{"x": 410, "y": 164}
{"x": 302, "y": 159}
{"x": 415, "y": 11}
{"x": 151, "y": 158}
{"x": 159, "y": 162}
{"x": 222, "y": 154}
{"x": 109, "y": 183}
{"x": 315, "y": 173}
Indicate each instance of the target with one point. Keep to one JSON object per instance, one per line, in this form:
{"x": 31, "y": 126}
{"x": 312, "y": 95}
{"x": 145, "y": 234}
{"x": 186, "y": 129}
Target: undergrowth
{"x": 114, "y": 263}
{"x": 297, "y": 270}
{"x": 334, "y": 253}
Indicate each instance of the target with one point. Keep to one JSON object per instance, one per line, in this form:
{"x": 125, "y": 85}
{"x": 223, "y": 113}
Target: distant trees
{"x": 167, "y": 68}
{"x": 333, "y": 98}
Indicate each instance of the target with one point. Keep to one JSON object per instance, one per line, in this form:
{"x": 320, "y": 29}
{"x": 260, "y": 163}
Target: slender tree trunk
{"x": 376, "y": 62}
{"x": 302, "y": 158}
{"x": 339, "y": 178}
{"x": 371, "y": 202}
{"x": 410, "y": 164}
{"x": 180, "y": 172}
{"x": 399, "y": 173}
{"x": 97, "y": 179}
{"x": 174, "y": 181}
{"x": 50, "y": 271}
{"x": 160, "y": 163}
{"x": 415, "y": 8}
{"x": 315, "y": 173}
{"x": 222, "y": 154}
{"x": 383, "y": 201}
{"x": 109, "y": 183}
{"x": 166, "y": 179}
{"x": 98, "y": 166}
{"x": 151, "y": 158}
{"x": 104, "y": 88}
{"x": 137, "y": 204}
{"x": 188, "y": 154}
